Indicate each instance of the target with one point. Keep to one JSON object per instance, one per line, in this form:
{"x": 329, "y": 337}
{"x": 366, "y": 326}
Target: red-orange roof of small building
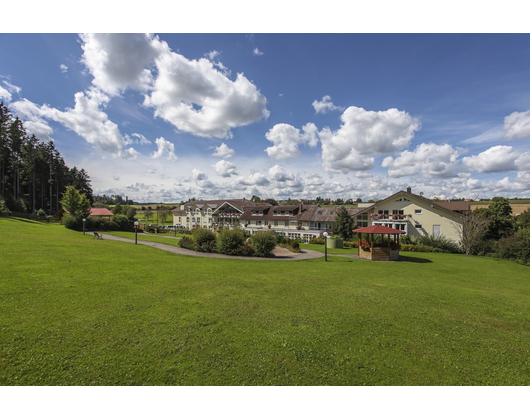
{"x": 97, "y": 211}
{"x": 378, "y": 229}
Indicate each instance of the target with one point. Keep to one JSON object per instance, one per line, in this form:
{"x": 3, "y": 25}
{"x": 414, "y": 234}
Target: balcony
{"x": 375, "y": 216}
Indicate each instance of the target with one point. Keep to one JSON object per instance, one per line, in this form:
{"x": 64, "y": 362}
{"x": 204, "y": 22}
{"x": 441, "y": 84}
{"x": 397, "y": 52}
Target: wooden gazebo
{"x": 368, "y": 251}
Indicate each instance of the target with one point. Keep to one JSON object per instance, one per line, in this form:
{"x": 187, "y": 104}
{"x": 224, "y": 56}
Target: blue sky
{"x": 166, "y": 117}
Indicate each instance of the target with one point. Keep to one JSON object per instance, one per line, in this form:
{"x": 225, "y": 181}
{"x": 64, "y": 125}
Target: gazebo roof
{"x": 378, "y": 229}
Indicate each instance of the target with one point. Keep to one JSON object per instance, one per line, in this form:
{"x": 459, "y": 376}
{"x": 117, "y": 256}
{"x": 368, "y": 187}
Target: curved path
{"x": 306, "y": 254}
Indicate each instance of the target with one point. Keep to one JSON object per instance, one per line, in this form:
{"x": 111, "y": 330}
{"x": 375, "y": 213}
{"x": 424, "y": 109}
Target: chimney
{"x": 300, "y": 207}
{"x": 409, "y": 190}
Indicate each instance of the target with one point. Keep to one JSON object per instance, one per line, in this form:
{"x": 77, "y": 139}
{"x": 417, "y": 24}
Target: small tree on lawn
{"x": 472, "y": 231}
{"x": 76, "y": 203}
{"x": 343, "y": 224}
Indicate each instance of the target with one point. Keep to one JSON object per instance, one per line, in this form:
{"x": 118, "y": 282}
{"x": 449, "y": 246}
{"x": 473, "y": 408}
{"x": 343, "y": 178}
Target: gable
{"x": 402, "y": 200}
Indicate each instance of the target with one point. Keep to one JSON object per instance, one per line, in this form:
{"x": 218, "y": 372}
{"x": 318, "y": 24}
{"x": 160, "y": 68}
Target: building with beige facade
{"x": 418, "y": 216}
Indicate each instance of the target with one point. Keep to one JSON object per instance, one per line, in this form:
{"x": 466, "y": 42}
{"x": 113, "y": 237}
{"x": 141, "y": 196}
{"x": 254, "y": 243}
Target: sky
{"x": 166, "y": 117}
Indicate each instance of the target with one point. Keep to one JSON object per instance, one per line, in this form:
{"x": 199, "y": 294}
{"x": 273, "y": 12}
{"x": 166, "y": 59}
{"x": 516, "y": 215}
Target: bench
{"x": 98, "y": 235}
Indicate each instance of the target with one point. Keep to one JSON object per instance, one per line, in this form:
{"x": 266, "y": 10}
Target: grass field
{"x": 75, "y": 311}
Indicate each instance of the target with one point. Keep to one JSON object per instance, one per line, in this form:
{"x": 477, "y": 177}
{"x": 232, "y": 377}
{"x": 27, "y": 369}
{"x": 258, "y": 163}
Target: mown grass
{"x": 76, "y": 311}
{"x": 158, "y": 238}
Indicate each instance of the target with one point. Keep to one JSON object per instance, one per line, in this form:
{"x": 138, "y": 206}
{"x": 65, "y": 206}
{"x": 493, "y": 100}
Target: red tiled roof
{"x": 96, "y": 211}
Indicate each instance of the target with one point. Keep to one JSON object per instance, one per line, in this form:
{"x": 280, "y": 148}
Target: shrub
{"x": 515, "y": 248}
{"x": 187, "y": 242}
{"x": 209, "y": 246}
{"x": 20, "y": 206}
{"x": 204, "y": 240}
{"x": 294, "y": 247}
{"x": 70, "y": 222}
{"x": 317, "y": 241}
{"x": 229, "y": 242}
{"x": 263, "y": 243}
{"x": 421, "y": 248}
{"x": 121, "y": 222}
{"x": 4, "y": 211}
{"x": 100, "y": 223}
{"x": 245, "y": 251}
{"x": 406, "y": 240}
{"x": 440, "y": 242}
{"x": 40, "y": 214}
{"x": 350, "y": 244}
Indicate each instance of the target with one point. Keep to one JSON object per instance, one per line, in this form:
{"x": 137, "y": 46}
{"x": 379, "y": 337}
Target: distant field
{"x": 517, "y": 208}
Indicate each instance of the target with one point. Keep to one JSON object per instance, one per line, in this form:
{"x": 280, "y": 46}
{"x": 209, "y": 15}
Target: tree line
{"x": 33, "y": 174}
{"x": 496, "y": 232}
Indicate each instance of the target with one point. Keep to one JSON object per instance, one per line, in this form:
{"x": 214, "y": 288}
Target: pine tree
{"x": 343, "y": 224}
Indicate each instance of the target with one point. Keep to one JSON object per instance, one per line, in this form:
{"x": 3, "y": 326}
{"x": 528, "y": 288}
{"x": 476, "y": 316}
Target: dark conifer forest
{"x": 33, "y": 174}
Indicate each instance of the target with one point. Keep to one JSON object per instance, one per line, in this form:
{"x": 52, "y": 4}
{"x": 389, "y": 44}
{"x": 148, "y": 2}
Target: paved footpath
{"x": 306, "y": 254}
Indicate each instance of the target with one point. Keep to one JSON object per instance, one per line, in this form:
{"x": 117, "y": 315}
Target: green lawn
{"x": 158, "y": 238}
{"x": 76, "y": 311}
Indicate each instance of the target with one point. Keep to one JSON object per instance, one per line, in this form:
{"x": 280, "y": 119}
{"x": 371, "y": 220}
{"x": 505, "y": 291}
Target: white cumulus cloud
{"x": 225, "y": 169}
{"x": 223, "y": 151}
{"x": 287, "y": 139}
{"x": 165, "y": 149}
{"x": 257, "y": 52}
{"x": 495, "y": 159}
{"x": 118, "y": 61}
{"x": 197, "y": 98}
{"x": 64, "y": 68}
{"x": 366, "y": 133}
{"x": 325, "y": 105}
{"x": 429, "y": 159}
{"x": 5, "y": 94}
{"x": 517, "y": 126}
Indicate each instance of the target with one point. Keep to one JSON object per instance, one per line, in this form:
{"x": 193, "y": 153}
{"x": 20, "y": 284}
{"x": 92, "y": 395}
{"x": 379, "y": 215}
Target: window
{"x": 275, "y": 223}
{"x": 331, "y": 212}
{"x": 417, "y": 226}
{"x": 319, "y": 212}
{"x": 417, "y": 211}
{"x": 258, "y": 222}
{"x": 286, "y": 224}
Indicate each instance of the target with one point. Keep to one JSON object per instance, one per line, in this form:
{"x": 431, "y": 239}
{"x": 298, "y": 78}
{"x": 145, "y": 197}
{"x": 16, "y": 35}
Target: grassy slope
{"x": 78, "y": 311}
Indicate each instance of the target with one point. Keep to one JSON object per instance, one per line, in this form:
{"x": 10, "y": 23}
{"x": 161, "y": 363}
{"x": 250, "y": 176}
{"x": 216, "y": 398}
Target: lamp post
{"x": 326, "y": 246}
{"x": 136, "y": 232}
{"x": 84, "y": 220}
